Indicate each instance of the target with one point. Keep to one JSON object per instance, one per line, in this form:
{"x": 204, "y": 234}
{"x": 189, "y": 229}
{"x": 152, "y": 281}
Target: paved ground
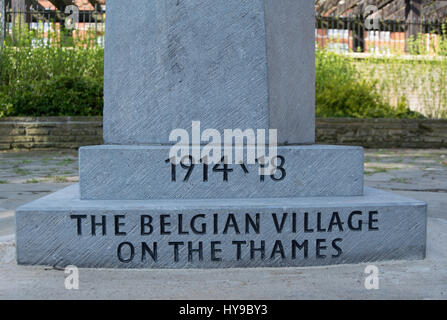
{"x": 421, "y": 174}
{"x": 27, "y": 176}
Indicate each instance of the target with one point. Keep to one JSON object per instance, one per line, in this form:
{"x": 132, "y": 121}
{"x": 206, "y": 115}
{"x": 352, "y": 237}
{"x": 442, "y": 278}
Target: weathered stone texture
{"x": 383, "y": 226}
{"x": 228, "y": 64}
{"x": 141, "y": 172}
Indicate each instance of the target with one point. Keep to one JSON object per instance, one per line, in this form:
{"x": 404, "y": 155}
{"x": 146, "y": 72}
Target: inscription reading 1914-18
{"x": 223, "y": 167}
{"x": 228, "y": 236}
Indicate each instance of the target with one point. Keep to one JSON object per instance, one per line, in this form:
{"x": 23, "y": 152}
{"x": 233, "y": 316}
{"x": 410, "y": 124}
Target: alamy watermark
{"x": 72, "y": 278}
{"x": 372, "y": 22}
{"x": 73, "y": 16}
{"x": 372, "y": 278}
{"x": 236, "y": 146}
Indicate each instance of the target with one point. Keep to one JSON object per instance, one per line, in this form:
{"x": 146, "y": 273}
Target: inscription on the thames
{"x": 239, "y": 234}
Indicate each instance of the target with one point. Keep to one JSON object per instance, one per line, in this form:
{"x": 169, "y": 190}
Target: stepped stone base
{"x": 61, "y": 230}
{"x": 115, "y": 172}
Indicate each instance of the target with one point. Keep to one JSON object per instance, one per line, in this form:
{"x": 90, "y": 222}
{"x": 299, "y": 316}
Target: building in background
{"x": 375, "y": 26}
{"x": 379, "y": 26}
{"x": 53, "y": 5}
{"x": 45, "y": 16}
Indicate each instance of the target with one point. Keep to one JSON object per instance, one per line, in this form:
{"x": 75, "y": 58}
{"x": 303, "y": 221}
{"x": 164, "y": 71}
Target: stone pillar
{"x": 228, "y": 64}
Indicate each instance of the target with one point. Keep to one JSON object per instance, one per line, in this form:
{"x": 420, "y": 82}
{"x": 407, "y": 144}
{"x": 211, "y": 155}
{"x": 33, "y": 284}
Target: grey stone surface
{"x": 141, "y": 173}
{"x": 415, "y": 173}
{"x": 290, "y": 26}
{"x": 229, "y": 64}
{"x": 48, "y": 232}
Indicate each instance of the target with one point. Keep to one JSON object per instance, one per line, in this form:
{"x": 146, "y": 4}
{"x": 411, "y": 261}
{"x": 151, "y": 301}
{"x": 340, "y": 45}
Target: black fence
{"x": 44, "y": 25}
{"x": 342, "y": 34}
{"x": 359, "y": 34}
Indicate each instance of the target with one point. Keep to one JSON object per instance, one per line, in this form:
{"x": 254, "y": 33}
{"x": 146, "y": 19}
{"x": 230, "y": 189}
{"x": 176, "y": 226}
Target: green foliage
{"x": 60, "y": 95}
{"x": 416, "y": 80}
{"x": 342, "y": 92}
{"x": 429, "y": 43}
{"x": 39, "y": 78}
{"x": 419, "y": 81}
{"x": 51, "y": 81}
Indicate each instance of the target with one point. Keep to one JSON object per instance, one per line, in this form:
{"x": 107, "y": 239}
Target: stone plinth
{"x": 142, "y": 173}
{"x": 62, "y": 230}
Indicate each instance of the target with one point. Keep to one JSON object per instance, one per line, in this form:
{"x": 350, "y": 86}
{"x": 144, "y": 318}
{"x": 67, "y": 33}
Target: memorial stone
{"x": 233, "y": 64}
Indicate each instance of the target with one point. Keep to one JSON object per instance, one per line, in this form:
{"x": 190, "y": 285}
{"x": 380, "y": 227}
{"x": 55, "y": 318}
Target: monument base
{"x": 61, "y": 230}
{"x": 120, "y": 172}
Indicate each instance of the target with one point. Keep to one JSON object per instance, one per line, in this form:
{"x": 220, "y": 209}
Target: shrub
{"x": 60, "y": 95}
{"x": 341, "y": 91}
{"x": 51, "y": 81}
{"x": 421, "y": 80}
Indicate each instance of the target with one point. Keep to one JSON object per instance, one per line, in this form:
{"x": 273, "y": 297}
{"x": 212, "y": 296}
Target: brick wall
{"x": 73, "y": 132}
{"x": 383, "y": 133}
{"x": 49, "y": 132}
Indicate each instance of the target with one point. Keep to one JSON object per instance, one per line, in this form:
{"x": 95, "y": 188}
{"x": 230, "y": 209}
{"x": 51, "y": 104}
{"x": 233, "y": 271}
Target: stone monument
{"x": 224, "y": 65}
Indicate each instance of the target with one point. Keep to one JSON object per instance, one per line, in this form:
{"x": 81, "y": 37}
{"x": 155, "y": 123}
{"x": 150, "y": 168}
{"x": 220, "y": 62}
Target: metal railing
{"x": 357, "y": 34}
{"x": 342, "y": 34}
{"x": 42, "y": 26}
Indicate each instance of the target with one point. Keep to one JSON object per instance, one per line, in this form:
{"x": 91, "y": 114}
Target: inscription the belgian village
{"x": 241, "y": 231}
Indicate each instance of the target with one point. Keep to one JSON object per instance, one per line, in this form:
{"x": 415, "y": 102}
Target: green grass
{"x": 4, "y": 182}
{"x": 31, "y": 181}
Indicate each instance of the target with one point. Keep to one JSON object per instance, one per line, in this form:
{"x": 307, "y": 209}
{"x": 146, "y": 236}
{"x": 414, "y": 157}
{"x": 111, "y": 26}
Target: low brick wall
{"x": 49, "y": 132}
{"x": 383, "y": 133}
{"x": 74, "y": 132}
